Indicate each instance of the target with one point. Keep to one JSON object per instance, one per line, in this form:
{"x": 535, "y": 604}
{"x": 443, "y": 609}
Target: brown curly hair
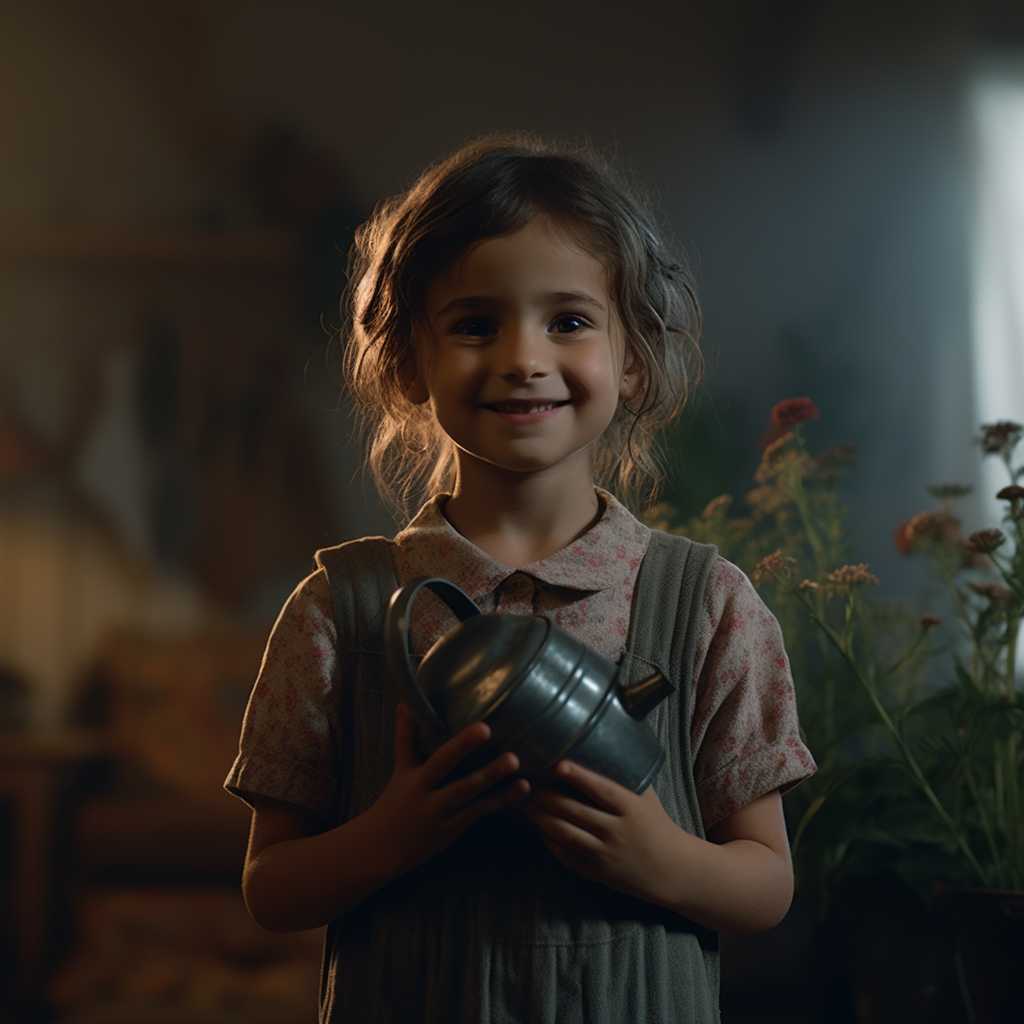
{"x": 491, "y": 187}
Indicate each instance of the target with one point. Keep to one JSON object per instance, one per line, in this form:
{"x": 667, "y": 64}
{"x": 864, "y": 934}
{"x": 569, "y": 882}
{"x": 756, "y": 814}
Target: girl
{"x": 517, "y": 328}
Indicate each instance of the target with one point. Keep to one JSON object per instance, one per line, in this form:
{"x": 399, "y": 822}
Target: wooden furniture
{"x": 33, "y": 768}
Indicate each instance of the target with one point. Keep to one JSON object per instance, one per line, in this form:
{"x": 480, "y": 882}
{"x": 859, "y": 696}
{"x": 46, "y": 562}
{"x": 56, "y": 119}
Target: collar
{"x": 606, "y": 556}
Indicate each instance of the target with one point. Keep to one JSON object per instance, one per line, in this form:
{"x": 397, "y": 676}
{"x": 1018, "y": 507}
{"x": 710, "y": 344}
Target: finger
{"x": 450, "y": 754}
{"x": 570, "y": 858}
{"x": 603, "y": 791}
{"x": 569, "y": 821}
{"x": 564, "y": 833}
{"x": 496, "y": 800}
{"x": 407, "y": 747}
{"x": 476, "y": 783}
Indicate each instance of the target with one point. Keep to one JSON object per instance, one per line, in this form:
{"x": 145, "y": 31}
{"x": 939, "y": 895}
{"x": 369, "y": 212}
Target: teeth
{"x": 519, "y": 407}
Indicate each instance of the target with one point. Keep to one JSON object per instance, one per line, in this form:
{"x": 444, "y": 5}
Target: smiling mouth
{"x": 522, "y": 406}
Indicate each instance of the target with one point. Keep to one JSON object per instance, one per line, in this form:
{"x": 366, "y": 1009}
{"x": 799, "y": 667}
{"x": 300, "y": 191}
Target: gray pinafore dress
{"x": 495, "y": 929}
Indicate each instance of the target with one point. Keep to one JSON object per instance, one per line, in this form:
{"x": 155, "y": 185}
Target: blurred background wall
{"x": 816, "y": 157}
{"x": 179, "y": 182}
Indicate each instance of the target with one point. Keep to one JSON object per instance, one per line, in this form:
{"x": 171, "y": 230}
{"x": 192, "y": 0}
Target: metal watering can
{"x": 545, "y": 695}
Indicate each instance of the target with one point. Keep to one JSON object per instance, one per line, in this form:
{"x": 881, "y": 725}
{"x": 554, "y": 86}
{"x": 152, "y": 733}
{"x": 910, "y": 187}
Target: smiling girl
{"x": 518, "y": 332}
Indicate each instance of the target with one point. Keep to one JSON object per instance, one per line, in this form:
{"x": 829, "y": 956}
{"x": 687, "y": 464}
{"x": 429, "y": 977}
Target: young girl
{"x": 518, "y": 329}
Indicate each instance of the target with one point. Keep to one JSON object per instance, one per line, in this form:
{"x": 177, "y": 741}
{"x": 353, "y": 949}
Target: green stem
{"x": 796, "y": 487}
{"x": 986, "y": 825}
{"x": 908, "y": 758}
{"x": 1010, "y": 676}
{"x": 904, "y": 657}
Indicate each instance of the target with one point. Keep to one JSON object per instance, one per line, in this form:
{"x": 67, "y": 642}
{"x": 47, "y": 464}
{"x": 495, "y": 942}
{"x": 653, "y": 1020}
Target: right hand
{"x": 417, "y": 815}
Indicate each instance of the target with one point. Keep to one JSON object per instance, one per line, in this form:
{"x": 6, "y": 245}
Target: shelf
{"x": 97, "y": 248}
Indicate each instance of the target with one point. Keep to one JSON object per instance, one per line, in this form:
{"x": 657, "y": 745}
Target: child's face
{"x": 522, "y": 356}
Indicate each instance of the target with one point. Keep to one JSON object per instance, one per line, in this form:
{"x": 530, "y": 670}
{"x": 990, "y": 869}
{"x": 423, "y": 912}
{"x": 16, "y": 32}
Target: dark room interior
{"x": 179, "y": 186}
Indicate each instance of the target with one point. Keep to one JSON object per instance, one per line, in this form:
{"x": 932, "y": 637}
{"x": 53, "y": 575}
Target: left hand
{"x": 626, "y": 841}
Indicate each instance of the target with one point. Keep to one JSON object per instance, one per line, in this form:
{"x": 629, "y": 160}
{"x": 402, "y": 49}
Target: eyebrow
{"x": 473, "y": 303}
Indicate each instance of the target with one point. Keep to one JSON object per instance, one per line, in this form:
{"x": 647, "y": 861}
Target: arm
{"x": 740, "y": 879}
{"x": 300, "y": 875}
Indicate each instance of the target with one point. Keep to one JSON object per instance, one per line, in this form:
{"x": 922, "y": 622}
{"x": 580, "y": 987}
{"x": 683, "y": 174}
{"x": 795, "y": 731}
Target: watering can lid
{"x": 475, "y": 665}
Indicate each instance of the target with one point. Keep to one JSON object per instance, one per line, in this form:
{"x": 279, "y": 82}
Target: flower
{"x": 954, "y": 736}
{"x": 792, "y": 411}
{"x": 901, "y": 538}
{"x": 995, "y": 592}
{"x": 774, "y": 451}
{"x": 779, "y": 457}
{"x": 772, "y": 565}
{"x": 717, "y": 506}
{"x": 949, "y": 492}
{"x": 843, "y": 579}
{"x": 999, "y": 438}
{"x": 766, "y": 499}
{"x": 938, "y": 525}
{"x": 985, "y": 541}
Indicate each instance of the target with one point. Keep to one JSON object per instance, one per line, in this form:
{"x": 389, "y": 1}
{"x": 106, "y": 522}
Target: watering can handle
{"x": 396, "y": 646}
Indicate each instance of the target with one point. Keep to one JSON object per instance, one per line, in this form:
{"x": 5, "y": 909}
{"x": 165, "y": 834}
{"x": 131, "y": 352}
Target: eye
{"x": 569, "y": 323}
{"x": 475, "y": 327}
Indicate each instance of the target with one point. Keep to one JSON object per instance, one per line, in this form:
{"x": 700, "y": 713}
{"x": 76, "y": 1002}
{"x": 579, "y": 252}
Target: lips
{"x": 524, "y": 406}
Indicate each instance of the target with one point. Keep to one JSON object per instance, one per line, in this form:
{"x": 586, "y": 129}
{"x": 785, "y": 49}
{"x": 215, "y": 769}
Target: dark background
{"x": 179, "y": 182}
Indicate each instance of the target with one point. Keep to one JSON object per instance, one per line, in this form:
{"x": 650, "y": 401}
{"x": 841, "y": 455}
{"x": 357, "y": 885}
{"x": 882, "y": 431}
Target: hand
{"x": 614, "y": 836}
{"x": 418, "y": 816}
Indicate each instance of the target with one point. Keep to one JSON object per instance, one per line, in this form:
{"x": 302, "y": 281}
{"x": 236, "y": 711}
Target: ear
{"x": 416, "y": 388}
{"x": 414, "y": 382}
{"x": 632, "y": 378}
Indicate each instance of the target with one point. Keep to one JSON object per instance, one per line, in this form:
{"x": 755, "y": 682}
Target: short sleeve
{"x": 287, "y": 749}
{"x": 745, "y": 733}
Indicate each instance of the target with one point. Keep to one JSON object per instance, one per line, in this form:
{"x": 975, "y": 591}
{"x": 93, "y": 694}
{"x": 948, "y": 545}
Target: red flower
{"x": 791, "y": 411}
{"x": 901, "y": 537}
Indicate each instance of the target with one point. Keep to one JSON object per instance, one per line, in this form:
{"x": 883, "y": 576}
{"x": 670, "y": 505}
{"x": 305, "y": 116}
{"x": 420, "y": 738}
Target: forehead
{"x": 541, "y": 256}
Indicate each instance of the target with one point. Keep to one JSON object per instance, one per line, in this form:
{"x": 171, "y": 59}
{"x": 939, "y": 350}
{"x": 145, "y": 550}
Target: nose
{"x": 523, "y": 354}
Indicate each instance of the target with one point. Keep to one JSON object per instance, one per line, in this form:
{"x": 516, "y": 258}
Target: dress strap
{"x": 664, "y": 634}
{"x": 362, "y": 577}
{"x": 667, "y": 600}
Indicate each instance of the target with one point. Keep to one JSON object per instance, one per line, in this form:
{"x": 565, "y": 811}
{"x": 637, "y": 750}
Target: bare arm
{"x": 299, "y": 874}
{"x": 740, "y": 879}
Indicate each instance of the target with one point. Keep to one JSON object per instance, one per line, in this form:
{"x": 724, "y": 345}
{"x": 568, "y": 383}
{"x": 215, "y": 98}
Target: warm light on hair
{"x": 488, "y": 188}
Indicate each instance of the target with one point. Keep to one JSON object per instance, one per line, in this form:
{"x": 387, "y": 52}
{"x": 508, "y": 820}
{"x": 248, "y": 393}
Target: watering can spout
{"x": 643, "y": 697}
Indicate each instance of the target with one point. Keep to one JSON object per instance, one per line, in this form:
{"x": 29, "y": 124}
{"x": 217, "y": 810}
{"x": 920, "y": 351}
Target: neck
{"x": 521, "y": 518}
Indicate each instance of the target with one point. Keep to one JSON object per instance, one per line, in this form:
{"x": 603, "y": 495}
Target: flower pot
{"x": 990, "y": 925}
{"x": 897, "y": 953}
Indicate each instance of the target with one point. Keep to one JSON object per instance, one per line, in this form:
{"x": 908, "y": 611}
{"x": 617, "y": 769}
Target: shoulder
{"x": 308, "y": 610}
{"x": 733, "y": 611}
{"x": 347, "y": 557}
{"x": 729, "y": 586}
{"x": 679, "y": 553}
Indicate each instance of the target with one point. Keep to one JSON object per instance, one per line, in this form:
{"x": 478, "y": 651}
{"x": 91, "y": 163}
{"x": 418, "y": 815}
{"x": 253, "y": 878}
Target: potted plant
{"x": 916, "y": 720}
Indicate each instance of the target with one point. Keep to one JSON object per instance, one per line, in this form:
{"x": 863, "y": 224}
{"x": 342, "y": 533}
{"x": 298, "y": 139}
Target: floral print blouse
{"x": 744, "y": 730}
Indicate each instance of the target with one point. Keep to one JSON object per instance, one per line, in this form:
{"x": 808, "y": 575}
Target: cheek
{"x": 457, "y": 371}
{"x": 600, "y": 377}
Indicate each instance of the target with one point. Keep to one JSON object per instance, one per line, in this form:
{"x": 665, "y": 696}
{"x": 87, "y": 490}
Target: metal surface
{"x": 545, "y": 695}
